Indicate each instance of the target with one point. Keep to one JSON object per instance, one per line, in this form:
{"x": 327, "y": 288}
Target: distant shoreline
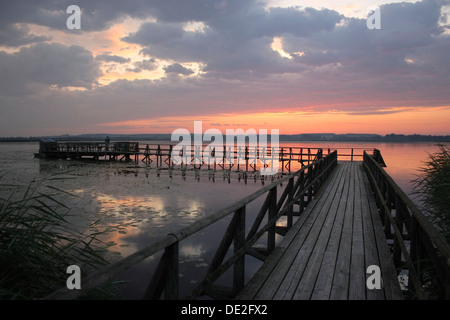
{"x": 313, "y": 137}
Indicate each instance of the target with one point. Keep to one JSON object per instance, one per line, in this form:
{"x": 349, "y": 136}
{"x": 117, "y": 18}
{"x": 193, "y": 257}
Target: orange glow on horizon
{"x": 432, "y": 121}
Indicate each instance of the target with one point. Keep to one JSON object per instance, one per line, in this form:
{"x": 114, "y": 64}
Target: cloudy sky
{"x": 153, "y": 66}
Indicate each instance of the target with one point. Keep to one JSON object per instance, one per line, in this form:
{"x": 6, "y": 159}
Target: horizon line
{"x": 281, "y": 134}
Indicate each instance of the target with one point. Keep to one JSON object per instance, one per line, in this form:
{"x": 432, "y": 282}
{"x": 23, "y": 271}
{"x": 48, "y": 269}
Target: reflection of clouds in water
{"x": 192, "y": 251}
{"x": 191, "y": 257}
{"x": 194, "y": 207}
{"x": 117, "y": 243}
{"x": 155, "y": 208}
{"x": 131, "y": 221}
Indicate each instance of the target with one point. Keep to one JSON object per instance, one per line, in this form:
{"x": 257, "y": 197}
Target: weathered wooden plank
{"x": 370, "y": 246}
{"x": 252, "y": 288}
{"x": 258, "y": 287}
{"x": 301, "y": 258}
{"x": 324, "y": 280}
{"x": 339, "y": 289}
{"x": 326, "y": 255}
{"x": 357, "y": 289}
{"x": 270, "y": 286}
{"x": 317, "y": 279}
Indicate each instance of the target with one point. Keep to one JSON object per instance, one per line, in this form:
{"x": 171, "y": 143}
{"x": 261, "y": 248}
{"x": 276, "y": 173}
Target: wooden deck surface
{"x": 326, "y": 253}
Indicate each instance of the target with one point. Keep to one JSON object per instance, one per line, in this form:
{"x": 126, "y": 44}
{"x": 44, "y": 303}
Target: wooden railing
{"x": 417, "y": 246}
{"x": 300, "y": 190}
{"x": 240, "y": 158}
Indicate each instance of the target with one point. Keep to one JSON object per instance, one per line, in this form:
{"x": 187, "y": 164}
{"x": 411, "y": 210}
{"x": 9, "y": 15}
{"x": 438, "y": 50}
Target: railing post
{"x": 290, "y": 158}
{"x": 171, "y": 290}
{"x": 310, "y": 178}
{"x": 272, "y": 213}
{"x": 239, "y": 241}
{"x": 165, "y": 277}
{"x": 301, "y": 183}
{"x": 415, "y": 248}
{"x": 289, "y": 200}
{"x": 398, "y": 221}
{"x": 386, "y": 221}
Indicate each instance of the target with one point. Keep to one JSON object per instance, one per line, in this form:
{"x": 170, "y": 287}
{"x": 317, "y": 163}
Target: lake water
{"x": 136, "y": 205}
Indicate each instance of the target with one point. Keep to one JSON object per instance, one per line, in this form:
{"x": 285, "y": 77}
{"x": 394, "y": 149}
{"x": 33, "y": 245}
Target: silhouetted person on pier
{"x": 107, "y": 142}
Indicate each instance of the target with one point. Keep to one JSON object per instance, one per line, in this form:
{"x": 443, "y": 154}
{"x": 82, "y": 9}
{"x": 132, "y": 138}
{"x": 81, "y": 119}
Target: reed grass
{"x": 37, "y": 243}
{"x": 432, "y": 188}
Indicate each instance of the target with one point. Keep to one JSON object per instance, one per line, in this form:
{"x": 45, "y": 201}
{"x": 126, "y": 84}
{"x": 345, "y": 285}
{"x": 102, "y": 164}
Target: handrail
{"x": 285, "y": 153}
{"x": 309, "y": 179}
{"x": 417, "y": 244}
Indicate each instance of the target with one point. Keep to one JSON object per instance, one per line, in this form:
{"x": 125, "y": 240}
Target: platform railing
{"x": 419, "y": 250}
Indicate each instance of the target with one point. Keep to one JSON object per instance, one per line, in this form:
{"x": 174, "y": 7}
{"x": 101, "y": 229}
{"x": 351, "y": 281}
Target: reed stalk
{"x": 432, "y": 188}
{"x": 37, "y": 243}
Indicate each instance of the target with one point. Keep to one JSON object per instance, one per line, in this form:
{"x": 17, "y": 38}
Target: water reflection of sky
{"x": 134, "y": 210}
{"x": 133, "y": 205}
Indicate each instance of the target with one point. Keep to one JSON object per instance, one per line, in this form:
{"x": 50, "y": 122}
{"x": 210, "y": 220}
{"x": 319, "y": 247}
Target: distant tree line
{"x": 294, "y": 137}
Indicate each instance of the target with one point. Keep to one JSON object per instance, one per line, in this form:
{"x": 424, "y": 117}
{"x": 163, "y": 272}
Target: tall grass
{"x": 37, "y": 243}
{"x": 433, "y": 188}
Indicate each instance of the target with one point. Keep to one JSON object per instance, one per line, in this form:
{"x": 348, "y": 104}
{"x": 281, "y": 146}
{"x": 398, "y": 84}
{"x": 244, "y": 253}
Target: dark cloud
{"x": 150, "y": 65}
{"x": 112, "y": 58}
{"x": 49, "y": 65}
{"x": 178, "y": 69}
{"x": 95, "y": 15}
{"x": 18, "y": 35}
{"x": 153, "y": 32}
{"x": 409, "y": 32}
{"x": 237, "y": 43}
{"x": 101, "y": 14}
{"x": 198, "y": 10}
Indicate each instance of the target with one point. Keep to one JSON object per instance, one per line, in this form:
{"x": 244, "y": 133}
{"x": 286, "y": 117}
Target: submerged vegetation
{"x": 37, "y": 243}
{"x": 433, "y": 189}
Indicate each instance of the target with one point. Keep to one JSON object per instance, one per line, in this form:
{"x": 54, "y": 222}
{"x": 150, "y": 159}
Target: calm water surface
{"x": 134, "y": 205}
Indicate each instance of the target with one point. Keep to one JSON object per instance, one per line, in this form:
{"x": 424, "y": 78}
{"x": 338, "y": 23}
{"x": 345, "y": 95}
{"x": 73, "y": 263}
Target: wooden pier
{"x": 236, "y": 158}
{"x": 326, "y": 254}
{"x": 338, "y": 220}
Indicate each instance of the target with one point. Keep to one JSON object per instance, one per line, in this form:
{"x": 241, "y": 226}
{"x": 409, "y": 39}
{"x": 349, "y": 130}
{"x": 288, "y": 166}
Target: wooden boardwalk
{"x": 346, "y": 214}
{"x": 326, "y": 253}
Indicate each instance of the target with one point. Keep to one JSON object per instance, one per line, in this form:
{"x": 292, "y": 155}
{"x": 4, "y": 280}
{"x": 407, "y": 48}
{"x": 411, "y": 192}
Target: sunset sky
{"x": 142, "y": 66}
